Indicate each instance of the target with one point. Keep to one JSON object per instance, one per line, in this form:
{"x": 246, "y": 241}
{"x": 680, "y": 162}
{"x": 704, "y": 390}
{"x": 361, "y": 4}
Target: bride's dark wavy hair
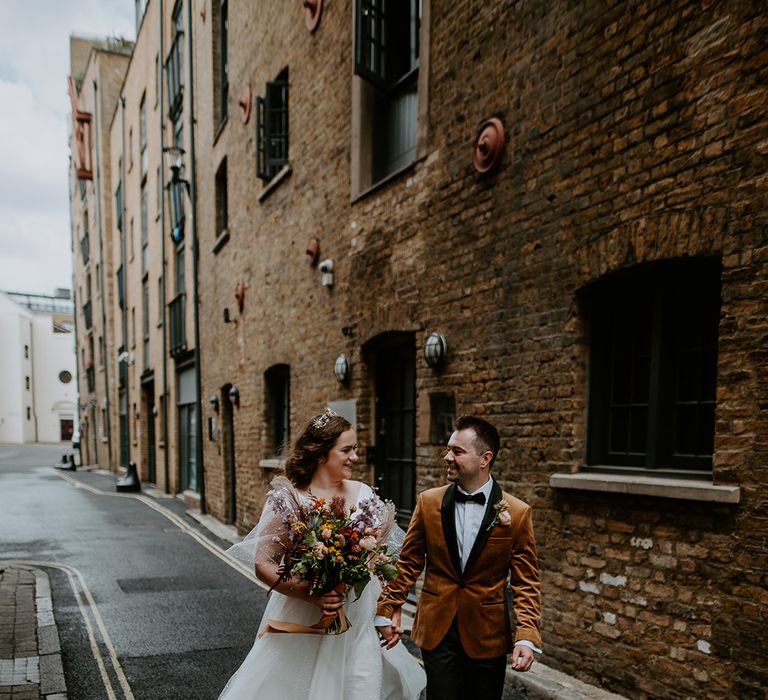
{"x": 313, "y": 446}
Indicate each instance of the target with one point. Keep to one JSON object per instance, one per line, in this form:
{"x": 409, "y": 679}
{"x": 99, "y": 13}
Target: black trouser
{"x": 452, "y": 675}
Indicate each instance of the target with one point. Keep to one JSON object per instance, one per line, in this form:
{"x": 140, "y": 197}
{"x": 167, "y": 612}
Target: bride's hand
{"x": 329, "y": 603}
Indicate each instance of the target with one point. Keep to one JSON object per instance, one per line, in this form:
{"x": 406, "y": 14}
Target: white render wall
{"x": 47, "y": 354}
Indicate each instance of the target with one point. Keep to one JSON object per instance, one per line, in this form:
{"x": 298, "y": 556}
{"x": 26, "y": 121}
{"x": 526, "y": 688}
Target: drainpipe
{"x": 161, "y": 91}
{"x": 97, "y": 190}
{"x": 195, "y": 256}
{"x": 124, "y": 261}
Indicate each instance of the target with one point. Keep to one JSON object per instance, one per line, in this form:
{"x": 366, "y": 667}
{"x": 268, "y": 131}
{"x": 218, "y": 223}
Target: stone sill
{"x": 271, "y": 186}
{"x": 684, "y": 489}
{"x": 272, "y": 463}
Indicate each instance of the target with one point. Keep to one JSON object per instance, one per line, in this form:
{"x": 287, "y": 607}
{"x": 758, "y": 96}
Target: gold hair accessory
{"x": 323, "y": 418}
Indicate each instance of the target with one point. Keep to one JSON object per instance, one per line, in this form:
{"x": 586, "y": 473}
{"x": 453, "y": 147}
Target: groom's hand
{"x": 522, "y": 658}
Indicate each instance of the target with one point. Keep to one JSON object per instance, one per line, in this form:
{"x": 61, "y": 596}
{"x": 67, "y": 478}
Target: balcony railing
{"x": 173, "y": 70}
{"x": 85, "y": 249}
{"x": 90, "y": 378}
{"x": 177, "y": 338}
{"x": 87, "y": 314}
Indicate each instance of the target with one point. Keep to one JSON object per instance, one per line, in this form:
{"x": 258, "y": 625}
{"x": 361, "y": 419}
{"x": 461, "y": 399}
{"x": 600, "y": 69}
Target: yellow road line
{"x": 206, "y": 542}
{"x": 71, "y": 573}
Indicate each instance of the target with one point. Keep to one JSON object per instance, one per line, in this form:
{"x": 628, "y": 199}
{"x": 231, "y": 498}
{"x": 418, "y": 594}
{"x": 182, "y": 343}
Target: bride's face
{"x": 342, "y": 457}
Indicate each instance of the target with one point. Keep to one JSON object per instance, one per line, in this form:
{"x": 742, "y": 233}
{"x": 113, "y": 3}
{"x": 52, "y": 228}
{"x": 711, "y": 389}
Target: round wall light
{"x": 234, "y": 396}
{"x": 341, "y": 368}
{"x": 435, "y": 349}
{"x": 214, "y": 400}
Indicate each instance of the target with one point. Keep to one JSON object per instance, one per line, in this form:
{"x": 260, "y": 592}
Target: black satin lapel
{"x": 448, "y": 515}
{"x": 485, "y": 533}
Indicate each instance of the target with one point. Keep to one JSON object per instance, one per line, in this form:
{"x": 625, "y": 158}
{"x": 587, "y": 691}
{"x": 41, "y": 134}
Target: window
{"x": 174, "y": 64}
{"x": 158, "y": 194}
{"x": 145, "y": 320}
{"x": 442, "y": 411}
{"x": 130, "y": 149}
{"x": 272, "y": 128}
{"x": 119, "y": 208}
{"x": 143, "y": 135}
{"x": 133, "y": 327}
{"x": 26, "y": 383}
{"x": 29, "y": 413}
{"x": 277, "y": 380}
{"x": 387, "y": 42}
{"x": 26, "y": 352}
{"x": 157, "y": 79}
{"x": 159, "y": 300}
{"x": 653, "y": 366}
{"x": 144, "y": 229}
{"x": 221, "y": 199}
{"x": 141, "y": 6}
{"x": 130, "y": 239}
{"x": 220, "y": 61}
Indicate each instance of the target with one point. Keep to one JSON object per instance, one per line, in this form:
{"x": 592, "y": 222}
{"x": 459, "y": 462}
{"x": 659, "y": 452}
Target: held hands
{"x": 522, "y": 658}
{"x": 390, "y": 634}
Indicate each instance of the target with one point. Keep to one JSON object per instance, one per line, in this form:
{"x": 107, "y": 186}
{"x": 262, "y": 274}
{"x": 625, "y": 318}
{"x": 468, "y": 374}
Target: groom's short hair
{"x": 486, "y": 435}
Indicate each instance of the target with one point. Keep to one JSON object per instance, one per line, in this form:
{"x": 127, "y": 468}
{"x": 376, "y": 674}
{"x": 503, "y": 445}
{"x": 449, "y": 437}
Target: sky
{"x": 35, "y": 123}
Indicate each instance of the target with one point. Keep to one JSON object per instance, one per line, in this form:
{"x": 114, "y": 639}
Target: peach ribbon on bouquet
{"x": 320, "y": 627}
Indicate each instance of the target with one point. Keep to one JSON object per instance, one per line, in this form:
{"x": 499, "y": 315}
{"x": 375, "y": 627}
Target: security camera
{"x": 326, "y": 266}
{"x": 123, "y": 357}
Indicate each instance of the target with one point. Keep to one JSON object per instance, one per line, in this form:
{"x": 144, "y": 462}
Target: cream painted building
{"x": 38, "y": 402}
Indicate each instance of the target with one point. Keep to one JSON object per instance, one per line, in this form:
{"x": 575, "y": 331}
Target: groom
{"x": 470, "y": 536}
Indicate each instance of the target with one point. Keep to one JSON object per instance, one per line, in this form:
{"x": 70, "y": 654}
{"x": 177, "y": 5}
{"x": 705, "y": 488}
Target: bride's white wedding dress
{"x": 348, "y": 666}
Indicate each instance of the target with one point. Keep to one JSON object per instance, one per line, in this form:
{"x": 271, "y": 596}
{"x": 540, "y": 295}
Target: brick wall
{"x": 636, "y": 132}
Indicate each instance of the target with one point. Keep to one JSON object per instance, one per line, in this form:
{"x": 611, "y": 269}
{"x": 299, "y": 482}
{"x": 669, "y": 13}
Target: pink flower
{"x": 504, "y": 518}
{"x": 355, "y": 548}
{"x": 368, "y": 543}
{"x": 319, "y": 550}
{"x": 326, "y": 534}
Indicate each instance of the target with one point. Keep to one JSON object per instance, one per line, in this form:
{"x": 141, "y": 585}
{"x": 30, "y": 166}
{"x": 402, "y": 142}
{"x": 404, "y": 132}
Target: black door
{"x": 149, "y": 404}
{"x": 396, "y": 423}
{"x": 228, "y": 445}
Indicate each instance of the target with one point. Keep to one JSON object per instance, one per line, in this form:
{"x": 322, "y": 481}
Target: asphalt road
{"x": 180, "y": 620}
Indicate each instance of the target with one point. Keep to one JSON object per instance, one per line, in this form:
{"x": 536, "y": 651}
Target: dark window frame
{"x": 272, "y": 127}
{"x": 651, "y": 328}
{"x": 277, "y": 380}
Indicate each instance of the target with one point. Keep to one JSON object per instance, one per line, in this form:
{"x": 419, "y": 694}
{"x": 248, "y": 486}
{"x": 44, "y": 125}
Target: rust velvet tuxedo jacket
{"x": 475, "y": 597}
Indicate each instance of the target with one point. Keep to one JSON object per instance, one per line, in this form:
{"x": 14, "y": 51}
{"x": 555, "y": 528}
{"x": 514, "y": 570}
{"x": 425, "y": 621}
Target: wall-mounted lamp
{"x": 435, "y": 349}
{"x": 154, "y": 409}
{"x": 326, "y": 273}
{"x": 214, "y": 403}
{"x": 126, "y": 357}
{"x": 174, "y": 160}
{"x": 489, "y": 145}
{"x": 234, "y": 396}
{"x": 341, "y": 368}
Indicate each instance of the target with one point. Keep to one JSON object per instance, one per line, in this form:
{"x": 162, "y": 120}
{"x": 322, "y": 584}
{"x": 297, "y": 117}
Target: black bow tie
{"x": 478, "y": 498}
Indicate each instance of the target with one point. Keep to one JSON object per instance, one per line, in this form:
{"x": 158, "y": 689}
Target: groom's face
{"x": 464, "y": 465}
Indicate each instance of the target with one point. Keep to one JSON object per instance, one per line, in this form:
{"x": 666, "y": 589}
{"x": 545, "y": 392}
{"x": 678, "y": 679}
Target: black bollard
{"x": 67, "y": 462}
{"x": 130, "y": 482}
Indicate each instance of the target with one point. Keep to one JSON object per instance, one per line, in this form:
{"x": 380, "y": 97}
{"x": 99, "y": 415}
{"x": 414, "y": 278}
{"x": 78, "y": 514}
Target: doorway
{"x": 148, "y": 390}
{"x": 228, "y": 447}
{"x": 395, "y": 420}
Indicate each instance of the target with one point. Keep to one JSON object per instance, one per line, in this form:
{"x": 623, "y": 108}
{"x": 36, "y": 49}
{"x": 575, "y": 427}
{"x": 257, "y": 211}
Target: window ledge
{"x": 282, "y": 174}
{"x": 220, "y": 241}
{"x": 647, "y": 486}
{"x": 272, "y": 463}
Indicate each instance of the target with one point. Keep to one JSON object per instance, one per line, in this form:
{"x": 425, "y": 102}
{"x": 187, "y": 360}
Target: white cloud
{"x": 34, "y": 126}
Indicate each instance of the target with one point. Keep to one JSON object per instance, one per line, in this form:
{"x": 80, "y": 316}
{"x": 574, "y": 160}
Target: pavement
{"x": 30, "y": 654}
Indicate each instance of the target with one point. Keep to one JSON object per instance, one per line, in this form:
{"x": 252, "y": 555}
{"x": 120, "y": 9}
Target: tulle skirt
{"x": 349, "y": 666}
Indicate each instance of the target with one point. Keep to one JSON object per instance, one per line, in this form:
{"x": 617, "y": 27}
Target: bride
{"x": 348, "y": 666}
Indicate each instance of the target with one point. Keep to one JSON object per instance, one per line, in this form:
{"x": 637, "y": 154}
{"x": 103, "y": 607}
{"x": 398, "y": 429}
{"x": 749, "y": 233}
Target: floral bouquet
{"x": 331, "y": 549}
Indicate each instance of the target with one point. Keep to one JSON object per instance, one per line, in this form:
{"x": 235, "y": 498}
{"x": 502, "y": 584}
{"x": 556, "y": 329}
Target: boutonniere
{"x": 500, "y": 516}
